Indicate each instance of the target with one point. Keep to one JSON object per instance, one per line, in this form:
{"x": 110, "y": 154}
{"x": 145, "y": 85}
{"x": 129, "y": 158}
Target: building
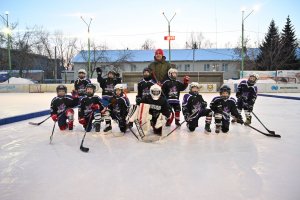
{"x": 189, "y": 60}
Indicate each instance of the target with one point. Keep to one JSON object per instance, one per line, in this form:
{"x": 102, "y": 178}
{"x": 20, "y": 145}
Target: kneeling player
{"x": 90, "y": 108}
{"x": 194, "y": 107}
{"x": 159, "y": 108}
{"x": 224, "y": 106}
{"x": 61, "y": 108}
{"x": 119, "y": 106}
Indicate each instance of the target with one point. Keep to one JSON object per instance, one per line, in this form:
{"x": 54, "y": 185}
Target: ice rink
{"x": 242, "y": 164}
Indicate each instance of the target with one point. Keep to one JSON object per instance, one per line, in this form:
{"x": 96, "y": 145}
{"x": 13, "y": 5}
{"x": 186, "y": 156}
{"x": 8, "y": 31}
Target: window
{"x": 187, "y": 67}
{"x": 225, "y": 67}
{"x": 133, "y": 68}
{"x": 206, "y": 67}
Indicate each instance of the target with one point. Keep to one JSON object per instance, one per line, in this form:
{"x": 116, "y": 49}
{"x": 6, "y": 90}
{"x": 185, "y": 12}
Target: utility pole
{"x": 169, "y": 33}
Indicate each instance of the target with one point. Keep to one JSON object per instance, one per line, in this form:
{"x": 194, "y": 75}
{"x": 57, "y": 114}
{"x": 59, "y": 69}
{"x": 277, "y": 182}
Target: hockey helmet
{"x": 252, "y": 81}
{"x": 171, "y": 71}
{"x": 61, "y": 87}
{"x": 225, "y": 88}
{"x": 155, "y": 91}
{"x": 82, "y": 71}
{"x": 90, "y": 85}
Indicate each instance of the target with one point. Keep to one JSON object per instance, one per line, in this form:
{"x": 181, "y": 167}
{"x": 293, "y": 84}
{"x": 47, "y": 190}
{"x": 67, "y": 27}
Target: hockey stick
{"x": 193, "y": 115}
{"x": 266, "y": 134}
{"x": 39, "y": 123}
{"x": 272, "y": 132}
{"x": 51, "y": 136}
{"x": 82, "y": 148}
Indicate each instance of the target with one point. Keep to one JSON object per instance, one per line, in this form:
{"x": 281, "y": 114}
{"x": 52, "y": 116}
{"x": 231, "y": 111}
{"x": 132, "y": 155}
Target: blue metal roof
{"x": 176, "y": 55}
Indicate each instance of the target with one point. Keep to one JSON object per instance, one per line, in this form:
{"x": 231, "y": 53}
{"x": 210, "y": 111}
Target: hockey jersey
{"x": 60, "y": 104}
{"x": 86, "y": 102}
{"x": 80, "y": 84}
{"x": 119, "y": 105}
{"x": 192, "y": 103}
{"x": 143, "y": 89}
{"x": 172, "y": 89}
{"x": 225, "y": 107}
{"x": 247, "y": 92}
{"x": 157, "y": 106}
{"x": 107, "y": 85}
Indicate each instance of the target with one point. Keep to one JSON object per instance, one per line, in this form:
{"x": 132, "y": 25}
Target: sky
{"x": 127, "y": 24}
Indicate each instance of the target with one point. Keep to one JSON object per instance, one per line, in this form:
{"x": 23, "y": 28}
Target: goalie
{"x": 159, "y": 108}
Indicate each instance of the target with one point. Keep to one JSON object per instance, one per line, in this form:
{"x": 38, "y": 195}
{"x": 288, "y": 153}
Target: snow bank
{"x": 14, "y": 80}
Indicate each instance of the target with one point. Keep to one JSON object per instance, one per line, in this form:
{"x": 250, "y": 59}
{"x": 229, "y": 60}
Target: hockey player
{"x": 224, "y": 106}
{"x": 246, "y": 95}
{"x": 158, "y": 106}
{"x": 90, "y": 108}
{"x": 61, "y": 108}
{"x": 81, "y": 83}
{"x": 107, "y": 85}
{"x": 194, "y": 107}
{"x": 144, "y": 85}
{"x": 171, "y": 89}
{"x": 119, "y": 106}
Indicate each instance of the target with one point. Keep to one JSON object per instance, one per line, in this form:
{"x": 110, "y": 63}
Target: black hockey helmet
{"x": 147, "y": 69}
{"x": 61, "y": 87}
{"x": 90, "y": 85}
{"x": 225, "y": 88}
{"x": 148, "y": 77}
{"x": 111, "y": 72}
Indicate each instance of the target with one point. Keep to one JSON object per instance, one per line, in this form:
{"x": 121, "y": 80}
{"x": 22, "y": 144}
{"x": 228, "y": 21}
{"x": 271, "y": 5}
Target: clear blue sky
{"x": 122, "y": 24}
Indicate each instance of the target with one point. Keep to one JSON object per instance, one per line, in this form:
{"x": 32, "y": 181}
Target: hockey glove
{"x": 138, "y": 100}
{"x": 99, "y": 71}
{"x": 186, "y": 80}
{"x": 95, "y": 106}
{"x": 54, "y": 117}
{"x": 82, "y": 121}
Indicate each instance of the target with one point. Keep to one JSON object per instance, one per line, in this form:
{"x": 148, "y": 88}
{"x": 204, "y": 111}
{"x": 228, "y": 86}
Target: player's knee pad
{"x": 247, "y": 113}
{"x": 218, "y": 116}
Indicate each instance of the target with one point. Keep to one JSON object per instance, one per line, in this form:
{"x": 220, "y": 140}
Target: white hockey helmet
{"x": 172, "y": 70}
{"x": 155, "y": 91}
{"x": 194, "y": 84}
{"x": 255, "y": 75}
{"x": 119, "y": 86}
{"x": 82, "y": 71}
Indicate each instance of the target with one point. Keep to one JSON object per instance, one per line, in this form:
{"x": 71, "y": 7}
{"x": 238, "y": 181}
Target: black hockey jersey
{"x": 119, "y": 105}
{"x": 143, "y": 89}
{"x": 247, "y": 92}
{"x": 107, "y": 85}
{"x": 172, "y": 88}
{"x": 193, "y": 103}
{"x": 225, "y": 107}
{"x": 60, "y": 104}
{"x": 80, "y": 84}
{"x": 86, "y": 102}
{"x": 157, "y": 106}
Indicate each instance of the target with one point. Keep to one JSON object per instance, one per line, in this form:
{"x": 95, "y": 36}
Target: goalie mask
{"x": 171, "y": 73}
{"x": 155, "y": 92}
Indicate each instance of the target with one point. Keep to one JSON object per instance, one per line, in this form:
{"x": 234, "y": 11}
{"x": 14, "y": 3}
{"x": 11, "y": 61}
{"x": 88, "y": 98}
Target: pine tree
{"x": 289, "y": 45}
{"x": 269, "y": 50}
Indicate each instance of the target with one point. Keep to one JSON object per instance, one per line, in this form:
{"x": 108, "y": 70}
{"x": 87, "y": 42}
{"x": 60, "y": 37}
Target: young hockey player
{"x": 119, "y": 106}
{"x": 107, "y": 85}
{"x": 171, "y": 89}
{"x": 224, "y": 106}
{"x": 61, "y": 108}
{"x": 194, "y": 103}
{"x": 246, "y": 95}
{"x": 144, "y": 85}
{"x": 90, "y": 108}
{"x": 158, "y": 105}
{"x": 81, "y": 83}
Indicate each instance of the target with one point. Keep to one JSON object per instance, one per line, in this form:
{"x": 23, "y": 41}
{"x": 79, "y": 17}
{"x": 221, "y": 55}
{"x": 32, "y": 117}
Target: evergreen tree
{"x": 289, "y": 45}
{"x": 269, "y": 50}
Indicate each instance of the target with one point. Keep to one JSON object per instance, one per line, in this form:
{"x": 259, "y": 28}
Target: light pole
{"x": 169, "y": 31}
{"x": 89, "y": 45}
{"x": 8, "y": 42}
{"x": 243, "y": 54}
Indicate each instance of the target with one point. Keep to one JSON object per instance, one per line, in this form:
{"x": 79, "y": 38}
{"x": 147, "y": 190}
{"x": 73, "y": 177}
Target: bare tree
{"x": 148, "y": 45}
{"x": 195, "y": 41}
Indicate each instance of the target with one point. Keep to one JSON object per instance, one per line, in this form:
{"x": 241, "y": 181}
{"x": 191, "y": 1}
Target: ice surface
{"x": 243, "y": 164}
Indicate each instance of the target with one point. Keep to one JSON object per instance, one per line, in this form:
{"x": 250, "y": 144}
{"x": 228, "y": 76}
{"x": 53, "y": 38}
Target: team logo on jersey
{"x": 110, "y": 88}
{"x": 173, "y": 92}
{"x": 155, "y": 107}
{"x": 196, "y": 107}
{"x": 61, "y": 108}
{"x": 146, "y": 91}
{"x": 210, "y": 87}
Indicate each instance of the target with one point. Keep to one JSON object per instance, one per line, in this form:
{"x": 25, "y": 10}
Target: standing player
{"x": 90, "y": 108}
{"x": 81, "y": 83}
{"x": 171, "y": 89}
{"x": 194, "y": 103}
{"x": 246, "y": 95}
{"x": 61, "y": 108}
{"x": 158, "y": 107}
{"x": 119, "y": 106}
{"x": 144, "y": 85}
{"x": 107, "y": 85}
{"x": 224, "y": 106}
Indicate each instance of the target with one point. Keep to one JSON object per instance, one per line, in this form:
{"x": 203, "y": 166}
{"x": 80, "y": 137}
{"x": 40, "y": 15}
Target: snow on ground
{"x": 15, "y": 80}
{"x": 243, "y": 164}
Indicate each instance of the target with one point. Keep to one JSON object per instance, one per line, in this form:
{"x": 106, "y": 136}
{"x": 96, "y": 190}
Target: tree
{"x": 289, "y": 45}
{"x": 250, "y": 53}
{"x": 148, "y": 45}
{"x": 195, "y": 41}
{"x": 269, "y": 50}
